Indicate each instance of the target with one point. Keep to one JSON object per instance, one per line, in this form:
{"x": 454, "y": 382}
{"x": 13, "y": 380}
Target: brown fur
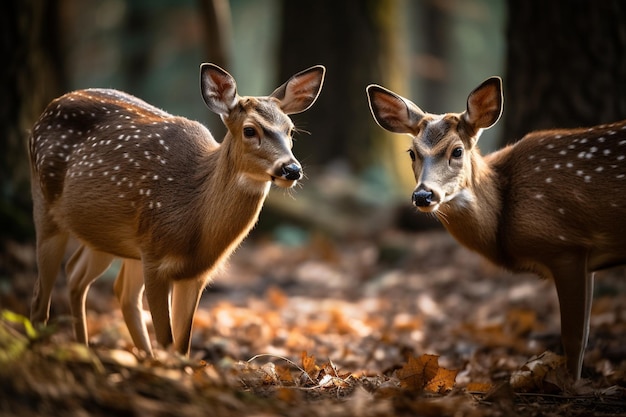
{"x": 131, "y": 181}
{"x": 550, "y": 204}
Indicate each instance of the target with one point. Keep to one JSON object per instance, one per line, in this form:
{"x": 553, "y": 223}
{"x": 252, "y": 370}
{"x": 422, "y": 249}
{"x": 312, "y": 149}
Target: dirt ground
{"x": 305, "y": 323}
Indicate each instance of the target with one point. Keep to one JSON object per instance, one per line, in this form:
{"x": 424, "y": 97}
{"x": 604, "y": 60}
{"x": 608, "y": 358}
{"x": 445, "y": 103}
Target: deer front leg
{"x": 574, "y": 285}
{"x": 129, "y": 288}
{"x": 158, "y": 295}
{"x": 185, "y": 299}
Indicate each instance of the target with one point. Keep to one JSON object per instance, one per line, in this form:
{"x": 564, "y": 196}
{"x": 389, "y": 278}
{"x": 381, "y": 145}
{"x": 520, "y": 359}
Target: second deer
{"x": 553, "y": 203}
{"x": 134, "y": 182}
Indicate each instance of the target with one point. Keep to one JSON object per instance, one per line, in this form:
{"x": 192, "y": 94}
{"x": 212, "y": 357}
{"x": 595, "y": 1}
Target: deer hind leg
{"x": 574, "y": 285}
{"x": 185, "y": 299}
{"x": 83, "y": 268}
{"x": 158, "y": 296}
{"x": 51, "y": 245}
{"x": 129, "y": 288}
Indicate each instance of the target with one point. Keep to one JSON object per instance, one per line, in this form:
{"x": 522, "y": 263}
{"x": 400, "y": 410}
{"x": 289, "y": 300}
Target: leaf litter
{"x": 399, "y": 324}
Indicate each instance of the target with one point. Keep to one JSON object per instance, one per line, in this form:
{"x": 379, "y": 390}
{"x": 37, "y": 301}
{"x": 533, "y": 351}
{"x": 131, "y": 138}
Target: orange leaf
{"x": 309, "y": 366}
{"x": 442, "y": 382}
{"x": 284, "y": 375}
{"x": 479, "y": 387}
{"x": 417, "y": 372}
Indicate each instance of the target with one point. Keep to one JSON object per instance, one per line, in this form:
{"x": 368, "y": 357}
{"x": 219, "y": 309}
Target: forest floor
{"x": 398, "y": 323}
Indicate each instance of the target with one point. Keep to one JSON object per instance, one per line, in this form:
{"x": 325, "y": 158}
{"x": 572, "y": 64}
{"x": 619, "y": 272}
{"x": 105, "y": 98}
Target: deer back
{"x": 554, "y": 189}
{"x": 561, "y": 190}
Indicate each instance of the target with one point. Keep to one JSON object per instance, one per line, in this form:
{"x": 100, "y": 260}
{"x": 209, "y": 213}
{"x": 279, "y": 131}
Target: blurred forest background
{"x": 563, "y": 64}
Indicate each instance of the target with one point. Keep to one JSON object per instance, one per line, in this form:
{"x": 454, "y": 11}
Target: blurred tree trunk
{"x": 354, "y": 39}
{"x": 217, "y": 20}
{"x": 32, "y": 74}
{"x": 566, "y": 65}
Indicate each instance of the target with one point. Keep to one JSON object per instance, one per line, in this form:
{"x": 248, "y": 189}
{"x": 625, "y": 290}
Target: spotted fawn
{"x": 130, "y": 181}
{"x": 551, "y": 203}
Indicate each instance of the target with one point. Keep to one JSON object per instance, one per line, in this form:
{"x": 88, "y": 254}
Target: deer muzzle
{"x": 292, "y": 171}
{"x": 425, "y": 198}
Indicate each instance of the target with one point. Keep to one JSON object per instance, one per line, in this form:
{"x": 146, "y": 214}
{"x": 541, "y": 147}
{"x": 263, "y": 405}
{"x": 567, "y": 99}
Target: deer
{"x": 525, "y": 207}
{"x": 129, "y": 181}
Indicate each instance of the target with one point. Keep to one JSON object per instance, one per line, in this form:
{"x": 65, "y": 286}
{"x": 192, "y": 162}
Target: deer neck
{"x": 473, "y": 216}
{"x": 229, "y": 204}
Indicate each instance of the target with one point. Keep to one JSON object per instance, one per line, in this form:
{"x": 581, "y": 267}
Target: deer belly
{"x": 100, "y": 223}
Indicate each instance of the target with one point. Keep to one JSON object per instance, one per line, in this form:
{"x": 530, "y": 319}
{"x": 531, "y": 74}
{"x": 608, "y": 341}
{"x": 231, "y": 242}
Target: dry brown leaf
{"x": 479, "y": 387}
{"x": 542, "y": 373}
{"x": 442, "y": 382}
{"x": 309, "y": 366}
{"x": 417, "y": 372}
{"x": 284, "y": 375}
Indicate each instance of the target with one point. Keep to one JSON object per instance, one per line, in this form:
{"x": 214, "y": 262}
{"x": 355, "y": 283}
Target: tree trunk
{"x": 566, "y": 65}
{"x": 32, "y": 74}
{"x": 218, "y": 27}
{"x": 353, "y": 39}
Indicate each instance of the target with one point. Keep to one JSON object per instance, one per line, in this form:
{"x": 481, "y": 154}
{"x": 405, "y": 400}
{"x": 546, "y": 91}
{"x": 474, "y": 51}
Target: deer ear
{"x": 301, "y": 90}
{"x": 484, "y": 105}
{"x": 218, "y": 88}
{"x": 392, "y": 111}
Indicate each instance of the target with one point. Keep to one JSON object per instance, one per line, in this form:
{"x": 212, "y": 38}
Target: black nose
{"x": 422, "y": 198}
{"x": 292, "y": 171}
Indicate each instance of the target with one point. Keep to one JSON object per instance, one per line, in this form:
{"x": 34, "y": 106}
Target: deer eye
{"x": 457, "y": 152}
{"x": 412, "y": 154}
{"x": 249, "y": 132}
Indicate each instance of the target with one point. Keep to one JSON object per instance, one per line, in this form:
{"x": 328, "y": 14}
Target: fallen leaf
{"x": 442, "y": 382}
{"x": 417, "y": 372}
{"x": 542, "y": 373}
{"x": 479, "y": 387}
{"x": 308, "y": 364}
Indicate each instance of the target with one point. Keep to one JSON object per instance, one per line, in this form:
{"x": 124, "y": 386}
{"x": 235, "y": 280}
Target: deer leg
{"x": 574, "y": 287}
{"x": 83, "y": 268}
{"x": 50, "y": 252}
{"x": 185, "y": 299}
{"x": 129, "y": 289}
{"x": 158, "y": 295}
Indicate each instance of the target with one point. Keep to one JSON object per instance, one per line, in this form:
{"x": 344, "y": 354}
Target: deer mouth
{"x": 428, "y": 209}
{"x": 283, "y": 182}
